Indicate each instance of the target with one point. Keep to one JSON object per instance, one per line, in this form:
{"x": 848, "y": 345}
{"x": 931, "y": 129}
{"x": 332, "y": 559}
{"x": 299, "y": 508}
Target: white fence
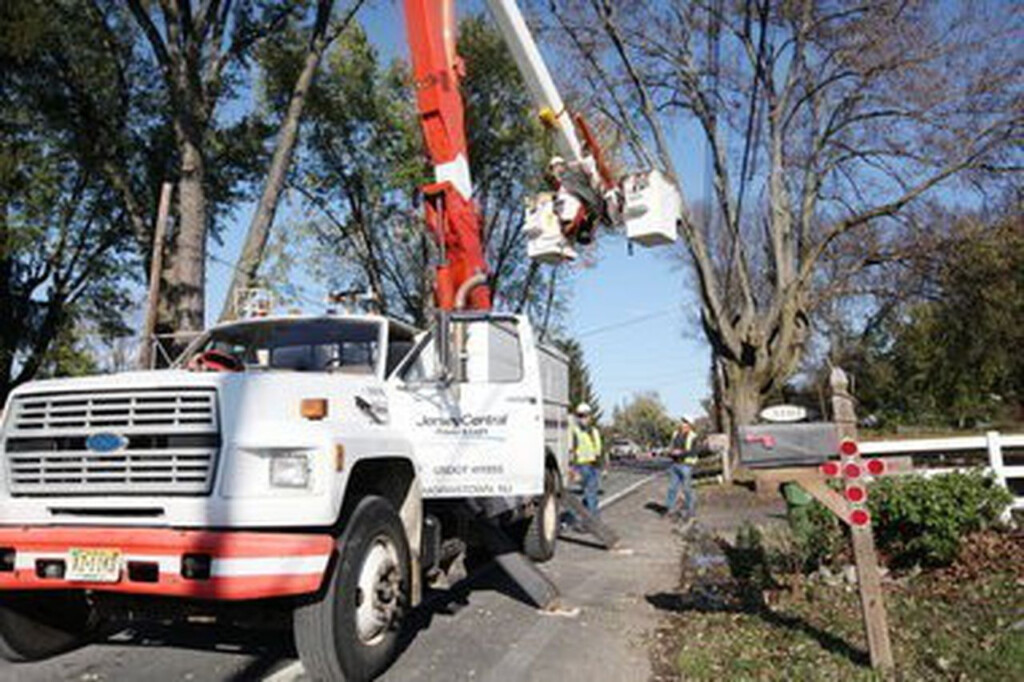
{"x": 936, "y": 455}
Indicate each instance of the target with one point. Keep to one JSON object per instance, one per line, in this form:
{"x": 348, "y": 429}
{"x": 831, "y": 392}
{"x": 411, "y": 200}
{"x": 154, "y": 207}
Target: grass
{"x": 955, "y": 624}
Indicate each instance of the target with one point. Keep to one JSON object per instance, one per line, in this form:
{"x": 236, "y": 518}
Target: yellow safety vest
{"x": 689, "y": 456}
{"x": 587, "y": 445}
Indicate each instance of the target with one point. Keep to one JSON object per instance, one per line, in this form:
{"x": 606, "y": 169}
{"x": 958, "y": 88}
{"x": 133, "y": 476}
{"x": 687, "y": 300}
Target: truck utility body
{"x": 239, "y": 484}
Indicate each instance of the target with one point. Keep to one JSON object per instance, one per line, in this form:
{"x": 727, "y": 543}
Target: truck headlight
{"x": 289, "y": 470}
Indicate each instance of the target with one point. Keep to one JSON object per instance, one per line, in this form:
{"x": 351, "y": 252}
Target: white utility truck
{"x": 321, "y": 467}
{"x": 312, "y": 465}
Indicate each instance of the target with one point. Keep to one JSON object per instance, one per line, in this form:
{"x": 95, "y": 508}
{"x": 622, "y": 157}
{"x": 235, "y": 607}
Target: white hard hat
{"x": 555, "y": 161}
{"x": 583, "y": 408}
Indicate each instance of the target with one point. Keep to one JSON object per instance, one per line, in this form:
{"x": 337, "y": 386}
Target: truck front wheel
{"x": 43, "y": 624}
{"x": 352, "y": 631}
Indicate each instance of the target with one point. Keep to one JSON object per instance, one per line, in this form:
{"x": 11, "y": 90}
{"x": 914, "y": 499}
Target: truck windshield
{"x": 348, "y": 346}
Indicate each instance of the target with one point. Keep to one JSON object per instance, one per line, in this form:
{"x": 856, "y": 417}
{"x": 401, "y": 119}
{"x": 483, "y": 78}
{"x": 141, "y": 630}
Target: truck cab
{"x": 259, "y": 464}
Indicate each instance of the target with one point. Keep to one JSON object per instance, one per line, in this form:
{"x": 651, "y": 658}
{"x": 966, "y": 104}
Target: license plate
{"x": 93, "y": 565}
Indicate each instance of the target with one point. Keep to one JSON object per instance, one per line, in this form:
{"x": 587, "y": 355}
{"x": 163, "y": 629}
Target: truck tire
{"x": 351, "y": 632}
{"x": 40, "y": 625}
{"x": 542, "y": 529}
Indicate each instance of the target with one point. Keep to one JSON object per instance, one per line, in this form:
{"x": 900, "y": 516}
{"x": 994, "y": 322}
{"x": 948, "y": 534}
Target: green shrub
{"x": 748, "y": 560}
{"x": 922, "y": 520}
{"x": 750, "y": 564}
{"x": 916, "y": 520}
{"x": 818, "y": 536}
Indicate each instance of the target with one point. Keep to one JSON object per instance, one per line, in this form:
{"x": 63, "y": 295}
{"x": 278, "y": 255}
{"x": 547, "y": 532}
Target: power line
{"x": 626, "y": 323}
{"x": 640, "y": 384}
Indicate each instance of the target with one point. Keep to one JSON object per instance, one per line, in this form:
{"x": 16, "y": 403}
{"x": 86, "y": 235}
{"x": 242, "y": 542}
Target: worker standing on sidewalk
{"x": 586, "y": 455}
{"x": 684, "y": 458}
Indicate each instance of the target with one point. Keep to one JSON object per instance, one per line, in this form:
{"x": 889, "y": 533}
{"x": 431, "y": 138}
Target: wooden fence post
{"x": 866, "y": 558}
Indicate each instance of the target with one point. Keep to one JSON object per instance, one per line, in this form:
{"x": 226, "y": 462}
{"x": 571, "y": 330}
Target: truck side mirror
{"x": 449, "y": 343}
{"x": 443, "y": 345}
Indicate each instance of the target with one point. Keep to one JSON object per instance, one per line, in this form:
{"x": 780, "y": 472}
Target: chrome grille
{"x": 170, "y": 443}
{"x": 124, "y": 411}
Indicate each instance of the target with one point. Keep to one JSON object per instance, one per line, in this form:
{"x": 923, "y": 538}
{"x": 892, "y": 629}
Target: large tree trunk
{"x": 741, "y": 393}
{"x": 259, "y": 229}
{"x": 182, "y": 300}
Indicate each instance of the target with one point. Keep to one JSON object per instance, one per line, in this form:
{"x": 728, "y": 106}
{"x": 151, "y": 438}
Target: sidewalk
{"x": 498, "y": 637}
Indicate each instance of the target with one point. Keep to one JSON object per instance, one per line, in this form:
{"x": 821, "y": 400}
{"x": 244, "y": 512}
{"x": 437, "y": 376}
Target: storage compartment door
{"x": 483, "y": 435}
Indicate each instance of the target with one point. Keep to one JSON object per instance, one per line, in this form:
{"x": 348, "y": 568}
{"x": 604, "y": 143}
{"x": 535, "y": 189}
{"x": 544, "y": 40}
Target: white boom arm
{"x": 647, "y": 204}
{"x": 538, "y": 79}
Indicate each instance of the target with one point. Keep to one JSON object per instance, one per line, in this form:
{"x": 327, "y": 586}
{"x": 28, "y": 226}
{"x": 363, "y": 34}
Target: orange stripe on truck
{"x": 243, "y": 565}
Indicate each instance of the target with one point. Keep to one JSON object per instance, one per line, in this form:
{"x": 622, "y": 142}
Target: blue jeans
{"x": 681, "y": 475}
{"x": 591, "y": 476}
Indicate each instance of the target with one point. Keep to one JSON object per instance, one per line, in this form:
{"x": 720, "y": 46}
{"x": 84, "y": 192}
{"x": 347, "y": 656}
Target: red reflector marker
{"x": 856, "y": 494}
{"x": 848, "y": 448}
{"x": 860, "y": 517}
{"x": 876, "y": 467}
{"x": 830, "y": 468}
{"x": 852, "y": 470}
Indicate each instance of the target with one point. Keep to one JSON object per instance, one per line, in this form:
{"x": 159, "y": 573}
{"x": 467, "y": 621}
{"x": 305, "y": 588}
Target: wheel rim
{"x": 550, "y": 517}
{"x": 378, "y": 592}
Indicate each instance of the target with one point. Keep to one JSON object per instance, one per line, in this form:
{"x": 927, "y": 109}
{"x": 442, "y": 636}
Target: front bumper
{"x": 241, "y": 565}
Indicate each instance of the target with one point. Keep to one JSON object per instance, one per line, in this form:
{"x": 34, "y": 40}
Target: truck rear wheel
{"x": 39, "y": 625}
{"x": 542, "y": 530}
{"x": 352, "y": 631}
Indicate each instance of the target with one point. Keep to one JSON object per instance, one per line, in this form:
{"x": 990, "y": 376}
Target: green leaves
{"x": 923, "y": 520}
{"x": 363, "y": 161}
{"x": 916, "y": 519}
{"x": 954, "y": 359}
{"x": 581, "y": 389}
{"x": 644, "y": 420}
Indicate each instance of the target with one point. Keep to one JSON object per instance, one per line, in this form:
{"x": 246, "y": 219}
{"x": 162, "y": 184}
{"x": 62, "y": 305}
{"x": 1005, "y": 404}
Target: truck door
{"x": 476, "y": 426}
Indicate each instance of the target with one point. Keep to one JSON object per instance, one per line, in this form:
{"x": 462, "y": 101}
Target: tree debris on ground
{"x": 735, "y": 615}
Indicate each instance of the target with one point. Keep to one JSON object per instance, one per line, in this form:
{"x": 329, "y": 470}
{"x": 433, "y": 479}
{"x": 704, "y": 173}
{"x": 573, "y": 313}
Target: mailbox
{"x": 766, "y": 446}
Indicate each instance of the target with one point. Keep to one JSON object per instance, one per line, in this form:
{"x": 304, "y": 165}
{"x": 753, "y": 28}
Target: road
{"x": 484, "y": 631}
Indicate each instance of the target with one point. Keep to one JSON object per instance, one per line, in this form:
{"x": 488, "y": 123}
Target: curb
{"x": 626, "y": 492}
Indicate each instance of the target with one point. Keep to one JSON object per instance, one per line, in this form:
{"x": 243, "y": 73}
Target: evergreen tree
{"x": 581, "y": 388}
{"x": 954, "y": 357}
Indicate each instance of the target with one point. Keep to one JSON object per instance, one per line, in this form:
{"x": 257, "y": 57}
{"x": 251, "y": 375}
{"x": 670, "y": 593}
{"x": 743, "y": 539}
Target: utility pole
{"x": 156, "y": 267}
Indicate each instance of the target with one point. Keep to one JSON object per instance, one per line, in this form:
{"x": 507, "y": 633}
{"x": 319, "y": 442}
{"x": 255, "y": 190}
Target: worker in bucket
{"x": 586, "y": 455}
{"x": 684, "y": 457}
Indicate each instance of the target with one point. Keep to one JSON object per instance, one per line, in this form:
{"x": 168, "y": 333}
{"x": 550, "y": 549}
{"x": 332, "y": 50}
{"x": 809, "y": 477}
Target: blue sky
{"x": 636, "y": 315}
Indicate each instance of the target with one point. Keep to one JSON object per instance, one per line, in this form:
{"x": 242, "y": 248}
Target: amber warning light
{"x": 314, "y": 408}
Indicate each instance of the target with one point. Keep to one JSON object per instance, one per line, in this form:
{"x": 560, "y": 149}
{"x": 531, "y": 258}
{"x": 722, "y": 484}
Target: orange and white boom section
{"x": 451, "y": 213}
